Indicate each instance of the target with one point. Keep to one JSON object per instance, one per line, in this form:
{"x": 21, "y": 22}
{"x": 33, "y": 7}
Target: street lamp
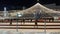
{"x": 18, "y": 15}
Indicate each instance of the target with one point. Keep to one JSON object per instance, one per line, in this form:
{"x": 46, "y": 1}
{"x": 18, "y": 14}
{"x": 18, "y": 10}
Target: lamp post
{"x": 18, "y": 15}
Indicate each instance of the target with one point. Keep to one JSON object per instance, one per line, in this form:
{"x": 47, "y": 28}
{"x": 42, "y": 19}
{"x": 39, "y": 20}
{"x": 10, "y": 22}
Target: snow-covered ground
{"x": 27, "y": 31}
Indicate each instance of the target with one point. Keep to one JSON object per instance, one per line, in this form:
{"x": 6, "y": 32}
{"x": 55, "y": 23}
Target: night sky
{"x": 18, "y": 4}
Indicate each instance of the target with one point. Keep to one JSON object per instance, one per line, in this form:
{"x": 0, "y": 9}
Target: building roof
{"x": 35, "y": 8}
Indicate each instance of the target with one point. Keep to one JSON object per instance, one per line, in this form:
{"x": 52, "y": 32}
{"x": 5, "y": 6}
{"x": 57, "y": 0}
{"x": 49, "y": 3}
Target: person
{"x": 23, "y": 20}
{"x": 10, "y": 21}
{"x": 37, "y": 16}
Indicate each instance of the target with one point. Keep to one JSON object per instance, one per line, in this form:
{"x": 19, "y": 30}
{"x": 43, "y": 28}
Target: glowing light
{"x": 19, "y": 15}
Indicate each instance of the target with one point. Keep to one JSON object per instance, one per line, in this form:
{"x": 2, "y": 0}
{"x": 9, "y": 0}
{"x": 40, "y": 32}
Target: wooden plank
{"x": 30, "y": 22}
{"x": 26, "y": 25}
{"x": 25, "y": 28}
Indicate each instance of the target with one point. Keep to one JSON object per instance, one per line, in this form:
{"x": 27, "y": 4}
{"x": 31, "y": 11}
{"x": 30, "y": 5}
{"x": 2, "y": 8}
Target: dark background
{"x": 18, "y": 4}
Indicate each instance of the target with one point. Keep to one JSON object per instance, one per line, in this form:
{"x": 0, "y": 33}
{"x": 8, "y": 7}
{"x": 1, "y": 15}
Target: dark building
{"x": 57, "y": 2}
